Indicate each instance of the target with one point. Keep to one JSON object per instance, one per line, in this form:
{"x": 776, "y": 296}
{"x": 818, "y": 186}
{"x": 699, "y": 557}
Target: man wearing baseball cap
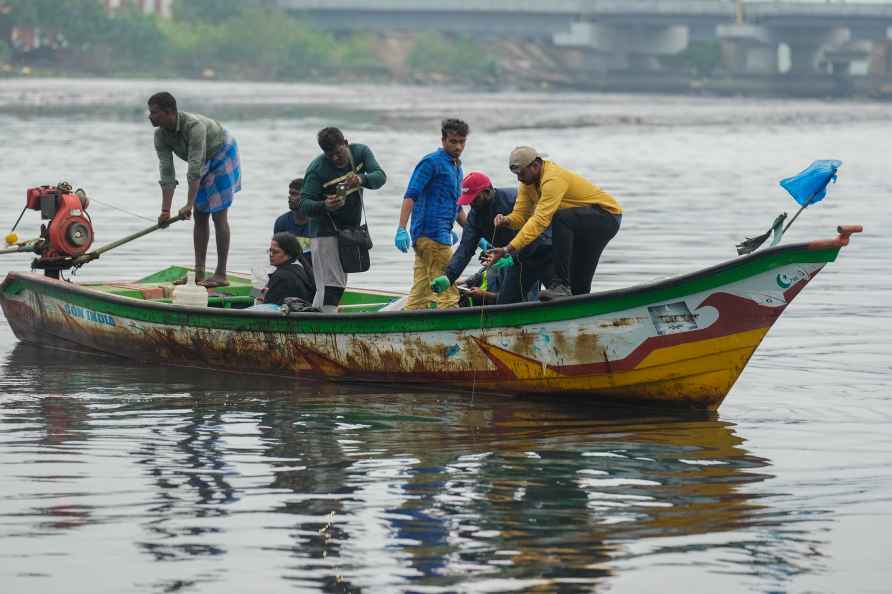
{"x": 583, "y": 218}
{"x": 522, "y": 272}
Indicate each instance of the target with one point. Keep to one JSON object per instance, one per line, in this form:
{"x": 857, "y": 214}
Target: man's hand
{"x": 333, "y": 202}
{"x": 401, "y": 240}
{"x": 185, "y": 212}
{"x": 494, "y": 255}
{"x": 440, "y": 284}
{"x": 164, "y": 216}
{"x": 353, "y": 181}
{"x": 500, "y": 220}
{"x": 477, "y": 293}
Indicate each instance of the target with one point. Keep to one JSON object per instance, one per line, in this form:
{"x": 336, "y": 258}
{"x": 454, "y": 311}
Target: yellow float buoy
{"x": 12, "y": 239}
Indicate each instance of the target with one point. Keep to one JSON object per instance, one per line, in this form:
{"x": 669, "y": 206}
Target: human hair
{"x": 454, "y": 126}
{"x": 289, "y": 244}
{"x": 330, "y": 138}
{"x": 296, "y": 184}
{"x": 164, "y": 100}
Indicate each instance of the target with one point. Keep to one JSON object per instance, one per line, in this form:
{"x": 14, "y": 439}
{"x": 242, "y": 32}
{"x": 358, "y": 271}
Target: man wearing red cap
{"x": 582, "y": 216}
{"x": 521, "y": 272}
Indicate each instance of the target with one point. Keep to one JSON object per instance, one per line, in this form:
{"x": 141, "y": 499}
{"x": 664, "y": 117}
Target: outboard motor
{"x": 65, "y": 239}
{"x": 69, "y": 232}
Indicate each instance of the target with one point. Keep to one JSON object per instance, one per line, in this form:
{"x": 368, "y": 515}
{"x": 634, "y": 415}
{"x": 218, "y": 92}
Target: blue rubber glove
{"x": 440, "y": 284}
{"x": 503, "y": 262}
{"x": 402, "y": 241}
{"x": 454, "y": 238}
{"x": 484, "y": 245}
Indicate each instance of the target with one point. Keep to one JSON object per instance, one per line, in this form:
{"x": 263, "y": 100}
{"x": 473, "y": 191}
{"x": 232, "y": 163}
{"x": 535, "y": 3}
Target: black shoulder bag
{"x": 354, "y": 243}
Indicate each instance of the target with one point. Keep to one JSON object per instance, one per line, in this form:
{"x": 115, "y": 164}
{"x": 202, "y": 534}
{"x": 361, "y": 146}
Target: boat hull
{"x": 682, "y": 341}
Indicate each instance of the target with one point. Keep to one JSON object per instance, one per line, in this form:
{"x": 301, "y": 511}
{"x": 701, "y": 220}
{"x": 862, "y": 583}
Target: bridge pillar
{"x": 842, "y": 58}
{"x": 748, "y": 49}
{"x": 753, "y": 49}
{"x": 632, "y": 47}
{"x": 807, "y": 47}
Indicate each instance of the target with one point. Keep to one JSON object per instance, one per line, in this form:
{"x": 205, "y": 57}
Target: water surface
{"x": 117, "y": 478}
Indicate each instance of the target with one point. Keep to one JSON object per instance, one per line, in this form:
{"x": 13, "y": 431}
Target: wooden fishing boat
{"x": 681, "y": 340}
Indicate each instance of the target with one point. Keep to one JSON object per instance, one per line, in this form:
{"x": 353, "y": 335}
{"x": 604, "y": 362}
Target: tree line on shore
{"x": 229, "y": 39}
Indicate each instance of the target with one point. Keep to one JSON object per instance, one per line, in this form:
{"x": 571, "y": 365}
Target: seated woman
{"x": 293, "y": 276}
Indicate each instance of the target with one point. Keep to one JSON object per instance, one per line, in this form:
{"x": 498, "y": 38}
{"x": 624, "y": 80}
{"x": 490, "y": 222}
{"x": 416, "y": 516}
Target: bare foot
{"x": 199, "y": 280}
{"x": 214, "y": 281}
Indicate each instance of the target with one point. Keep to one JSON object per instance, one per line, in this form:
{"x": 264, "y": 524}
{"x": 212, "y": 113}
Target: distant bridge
{"x": 626, "y": 29}
{"x": 537, "y": 16}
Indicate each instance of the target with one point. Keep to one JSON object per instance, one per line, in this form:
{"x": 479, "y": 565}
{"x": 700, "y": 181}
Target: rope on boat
{"x": 480, "y": 328}
{"x": 124, "y": 210}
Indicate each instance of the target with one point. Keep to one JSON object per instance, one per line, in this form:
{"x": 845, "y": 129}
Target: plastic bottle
{"x": 259, "y": 277}
{"x": 190, "y": 294}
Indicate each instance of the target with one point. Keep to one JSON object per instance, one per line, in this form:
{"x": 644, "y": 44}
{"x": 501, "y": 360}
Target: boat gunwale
{"x": 828, "y": 248}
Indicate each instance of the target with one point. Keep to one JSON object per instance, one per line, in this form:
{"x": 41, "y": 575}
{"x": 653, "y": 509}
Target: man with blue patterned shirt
{"x": 431, "y": 200}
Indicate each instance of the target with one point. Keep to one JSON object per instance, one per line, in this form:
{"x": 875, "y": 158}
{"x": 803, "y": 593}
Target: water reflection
{"x": 348, "y": 488}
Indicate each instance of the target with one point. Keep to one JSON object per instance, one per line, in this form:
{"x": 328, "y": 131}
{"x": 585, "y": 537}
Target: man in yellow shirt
{"x": 582, "y": 216}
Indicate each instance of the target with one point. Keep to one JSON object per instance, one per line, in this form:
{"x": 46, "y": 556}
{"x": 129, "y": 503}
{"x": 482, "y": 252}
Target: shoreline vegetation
{"x": 243, "y": 40}
{"x": 254, "y": 43}
{"x": 249, "y": 40}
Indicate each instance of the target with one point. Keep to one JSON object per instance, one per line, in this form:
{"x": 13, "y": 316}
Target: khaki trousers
{"x": 431, "y": 259}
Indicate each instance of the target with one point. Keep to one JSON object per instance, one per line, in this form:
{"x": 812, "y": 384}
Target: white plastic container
{"x": 190, "y": 294}
{"x": 259, "y": 277}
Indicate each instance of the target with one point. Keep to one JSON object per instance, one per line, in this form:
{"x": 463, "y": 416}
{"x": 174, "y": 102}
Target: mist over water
{"x": 195, "y": 481}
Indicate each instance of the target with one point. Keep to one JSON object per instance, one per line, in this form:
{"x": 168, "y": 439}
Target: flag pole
{"x": 798, "y": 212}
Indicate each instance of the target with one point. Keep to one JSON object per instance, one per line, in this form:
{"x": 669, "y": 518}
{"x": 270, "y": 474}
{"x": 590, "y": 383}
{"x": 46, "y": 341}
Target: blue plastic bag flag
{"x": 810, "y": 185}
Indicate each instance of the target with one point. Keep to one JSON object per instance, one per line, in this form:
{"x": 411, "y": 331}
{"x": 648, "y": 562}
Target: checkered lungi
{"x": 221, "y": 178}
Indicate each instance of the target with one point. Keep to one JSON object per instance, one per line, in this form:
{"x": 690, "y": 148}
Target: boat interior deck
{"x": 159, "y": 287}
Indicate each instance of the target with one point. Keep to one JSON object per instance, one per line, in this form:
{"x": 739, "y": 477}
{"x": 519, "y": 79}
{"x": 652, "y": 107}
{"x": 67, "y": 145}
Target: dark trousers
{"x": 578, "y": 236}
{"x": 519, "y": 279}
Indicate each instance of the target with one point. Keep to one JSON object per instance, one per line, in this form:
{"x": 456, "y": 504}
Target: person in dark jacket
{"x": 292, "y": 276}
{"x": 522, "y": 272}
{"x": 293, "y": 221}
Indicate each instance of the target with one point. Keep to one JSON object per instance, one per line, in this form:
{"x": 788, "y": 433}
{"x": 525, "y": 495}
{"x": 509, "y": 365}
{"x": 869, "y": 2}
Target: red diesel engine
{"x": 69, "y": 232}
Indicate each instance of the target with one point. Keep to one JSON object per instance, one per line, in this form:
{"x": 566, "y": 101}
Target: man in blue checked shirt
{"x": 431, "y": 200}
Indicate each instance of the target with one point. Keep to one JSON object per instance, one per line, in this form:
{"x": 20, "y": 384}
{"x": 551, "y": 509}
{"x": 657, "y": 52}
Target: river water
{"x": 118, "y": 478}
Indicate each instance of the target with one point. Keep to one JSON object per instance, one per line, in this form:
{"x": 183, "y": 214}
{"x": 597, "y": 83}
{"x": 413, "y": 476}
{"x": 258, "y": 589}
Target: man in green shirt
{"x": 214, "y": 176}
{"x": 354, "y": 166}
